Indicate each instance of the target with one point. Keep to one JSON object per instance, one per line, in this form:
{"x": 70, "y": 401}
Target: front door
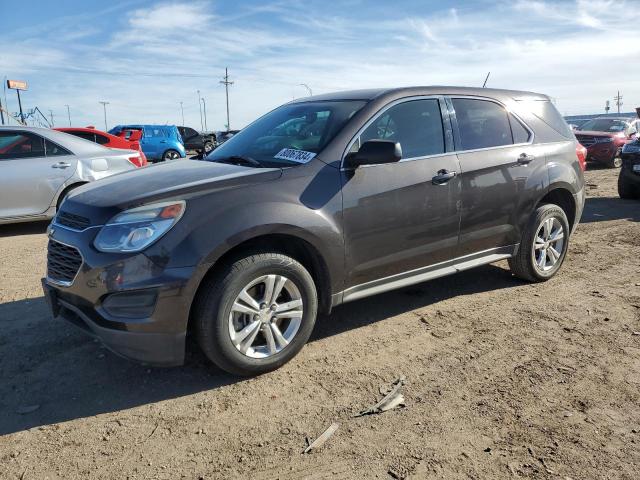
{"x": 397, "y": 218}
{"x": 29, "y": 177}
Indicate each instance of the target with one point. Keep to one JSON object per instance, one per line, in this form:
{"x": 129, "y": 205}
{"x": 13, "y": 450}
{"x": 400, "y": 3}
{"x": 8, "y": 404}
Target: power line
{"x": 225, "y": 81}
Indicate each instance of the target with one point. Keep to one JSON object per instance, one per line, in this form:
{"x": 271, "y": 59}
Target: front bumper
{"x": 603, "y": 152}
{"x": 154, "y": 333}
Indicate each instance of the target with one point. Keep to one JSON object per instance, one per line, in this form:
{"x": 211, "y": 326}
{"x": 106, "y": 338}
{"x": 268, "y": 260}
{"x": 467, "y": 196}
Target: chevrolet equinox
{"x": 322, "y": 201}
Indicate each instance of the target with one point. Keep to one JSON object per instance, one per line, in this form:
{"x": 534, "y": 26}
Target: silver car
{"x": 39, "y": 167}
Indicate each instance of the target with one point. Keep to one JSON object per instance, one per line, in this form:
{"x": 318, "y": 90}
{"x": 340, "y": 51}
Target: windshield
{"x": 604, "y": 125}
{"x": 289, "y": 135}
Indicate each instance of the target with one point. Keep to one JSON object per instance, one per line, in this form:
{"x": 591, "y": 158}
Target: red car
{"x": 110, "y": 141}
{"x": 604, "y": 138}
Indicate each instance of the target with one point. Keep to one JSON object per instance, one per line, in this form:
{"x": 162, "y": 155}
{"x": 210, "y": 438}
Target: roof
{"x": 373, "y": 93}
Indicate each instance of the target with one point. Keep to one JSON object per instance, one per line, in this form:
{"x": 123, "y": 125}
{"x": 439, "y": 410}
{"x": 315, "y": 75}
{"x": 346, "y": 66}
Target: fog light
{"x": 140, "y": 304}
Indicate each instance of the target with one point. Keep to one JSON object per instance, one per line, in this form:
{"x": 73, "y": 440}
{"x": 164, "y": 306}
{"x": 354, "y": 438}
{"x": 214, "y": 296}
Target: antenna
{"x": 484, "y": 85}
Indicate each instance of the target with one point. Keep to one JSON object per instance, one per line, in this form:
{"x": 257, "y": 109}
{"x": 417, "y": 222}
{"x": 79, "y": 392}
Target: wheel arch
{"x": 65, "y": 191}
{"x": 290, "y": 244}
{"x": 562, "y": 196}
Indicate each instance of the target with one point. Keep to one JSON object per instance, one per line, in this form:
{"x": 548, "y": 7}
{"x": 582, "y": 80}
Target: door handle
{"x": 525, "y": 159}
{"x": 443, "y": 176}
{"x": 61, "y": 165}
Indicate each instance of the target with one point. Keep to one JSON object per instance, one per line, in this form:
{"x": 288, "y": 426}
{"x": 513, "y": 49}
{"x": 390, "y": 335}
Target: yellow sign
{"x": 17, "y": 84}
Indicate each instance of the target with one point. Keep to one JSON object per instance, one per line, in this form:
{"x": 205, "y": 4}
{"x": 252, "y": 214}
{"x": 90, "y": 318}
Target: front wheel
{"x": 170, "y": 155}
{"x": 616, "y": 161}
{"x": 626, "y": 190}
{"x": 543, "y": 245}
{"x": 256, "y": 314}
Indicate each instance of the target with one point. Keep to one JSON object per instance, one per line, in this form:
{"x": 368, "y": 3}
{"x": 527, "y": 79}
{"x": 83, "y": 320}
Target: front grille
{"x": 63, "y": 262}
{"x": 586, "y": 140}
{"x": 71, "y": 220}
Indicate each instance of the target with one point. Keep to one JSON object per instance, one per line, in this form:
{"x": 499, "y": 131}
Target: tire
{"x": 526, "y": 264}
{"x": 615, "y": 162}
{"x": 627, "y": 190}
{"x": 208, "y": 147}
{"x": 216, "y": 314}
{"x": 170, "y": 155}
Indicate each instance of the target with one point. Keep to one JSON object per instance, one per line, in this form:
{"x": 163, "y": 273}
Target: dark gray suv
{"x": 322, "y": 201}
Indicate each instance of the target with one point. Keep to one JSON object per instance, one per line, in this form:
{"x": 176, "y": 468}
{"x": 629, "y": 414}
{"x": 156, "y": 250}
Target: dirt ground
{"x": 504, "y": 380}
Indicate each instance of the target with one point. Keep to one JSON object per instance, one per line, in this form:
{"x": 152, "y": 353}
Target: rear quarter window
{"x": 548, "y": 113}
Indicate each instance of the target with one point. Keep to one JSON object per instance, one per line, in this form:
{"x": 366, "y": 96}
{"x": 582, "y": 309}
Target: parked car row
{"x": 39, "y": 167}
{"x": 604, "y": 138}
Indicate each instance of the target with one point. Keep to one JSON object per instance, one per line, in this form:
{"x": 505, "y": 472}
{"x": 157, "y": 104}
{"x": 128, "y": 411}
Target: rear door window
{"x": 415, "y": 124}
{"x": 54, "y": 150}
{"x": 101, "y": 139}
{"x": 482, "y": 124}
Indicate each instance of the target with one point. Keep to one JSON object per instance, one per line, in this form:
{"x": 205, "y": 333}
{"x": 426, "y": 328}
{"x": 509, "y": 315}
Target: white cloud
{"x": 579, "y": 52}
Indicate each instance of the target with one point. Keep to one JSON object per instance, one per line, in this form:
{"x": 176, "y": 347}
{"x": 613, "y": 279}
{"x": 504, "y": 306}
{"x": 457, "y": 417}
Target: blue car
{"x": 158, "y": 142}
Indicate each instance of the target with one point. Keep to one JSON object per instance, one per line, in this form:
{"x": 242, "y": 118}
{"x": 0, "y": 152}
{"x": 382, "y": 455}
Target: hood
{"x": 169, "y": 180}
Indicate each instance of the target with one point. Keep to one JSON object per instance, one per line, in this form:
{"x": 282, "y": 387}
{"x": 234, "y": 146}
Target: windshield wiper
{"x": 240, "y": 160}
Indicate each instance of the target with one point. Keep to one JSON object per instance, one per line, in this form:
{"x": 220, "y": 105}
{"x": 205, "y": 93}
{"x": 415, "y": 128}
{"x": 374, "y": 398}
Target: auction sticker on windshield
{"x": 300, "y": 156}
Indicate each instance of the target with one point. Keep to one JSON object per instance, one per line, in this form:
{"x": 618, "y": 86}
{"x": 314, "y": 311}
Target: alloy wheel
{"x": 266, "y": 316}
{"x": 549, "y": 244}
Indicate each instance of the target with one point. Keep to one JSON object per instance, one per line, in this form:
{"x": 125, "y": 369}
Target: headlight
{"x": 604, "y": 140}
{"x": 134, "y": 230}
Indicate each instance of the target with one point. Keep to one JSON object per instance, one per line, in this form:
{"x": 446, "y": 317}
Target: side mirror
{"x": 374, "y": 152}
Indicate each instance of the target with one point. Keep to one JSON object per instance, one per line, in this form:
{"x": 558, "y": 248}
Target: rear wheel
{"x": 543, "y": 245}
{"x": 627, "y": 190}
{"x": 170, "y": 155}
{"x": 64, "y": 194}
{"x": 256, "y": 314}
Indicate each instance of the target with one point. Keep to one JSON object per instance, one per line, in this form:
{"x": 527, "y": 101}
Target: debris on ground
{"x": 318, "y": 442}
{"x": 391, "y": 400}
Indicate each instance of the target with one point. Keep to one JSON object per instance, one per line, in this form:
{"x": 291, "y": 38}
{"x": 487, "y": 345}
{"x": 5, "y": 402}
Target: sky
{"x": 145, "y": 57}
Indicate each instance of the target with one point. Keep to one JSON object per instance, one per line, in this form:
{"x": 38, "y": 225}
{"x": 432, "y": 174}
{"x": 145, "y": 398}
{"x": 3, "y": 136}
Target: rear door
{"x": 396, "y": 217}
{"x": 502, "y": 171}
{"x": 153, "y": 142}
{"x": 32, "y": 170}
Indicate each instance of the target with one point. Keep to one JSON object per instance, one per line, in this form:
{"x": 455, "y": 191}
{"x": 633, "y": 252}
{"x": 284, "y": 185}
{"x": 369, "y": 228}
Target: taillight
{"x": 581, "y": 153}
{"x": 137, "y": 161}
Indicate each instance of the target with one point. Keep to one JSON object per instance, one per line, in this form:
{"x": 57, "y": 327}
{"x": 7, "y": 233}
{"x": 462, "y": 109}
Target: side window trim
{"x": 446, "y": 125}
{"x": 456, "y": 130}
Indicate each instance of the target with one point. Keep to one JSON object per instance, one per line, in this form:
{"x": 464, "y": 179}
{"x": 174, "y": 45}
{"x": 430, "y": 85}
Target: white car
{"x": 39, "y": 167}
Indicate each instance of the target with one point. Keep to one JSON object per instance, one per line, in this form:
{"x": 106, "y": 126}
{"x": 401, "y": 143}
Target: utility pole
{"x": 307, "y": 87}
{"x": 204, "y": 106}
{"x": 68, "y": 114}
{"x": 200, "y": 108}
{"x": 618, "y": 99}
{"x": 51, "y": 114}
{"x": 226, "y": 84}
{"x": 607, "y": 107}
{"x": 182, "y": 111}
{"x": 20, "y": 106}
{"x": 104, "y": 105}
{"x": 2, "y": 113}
